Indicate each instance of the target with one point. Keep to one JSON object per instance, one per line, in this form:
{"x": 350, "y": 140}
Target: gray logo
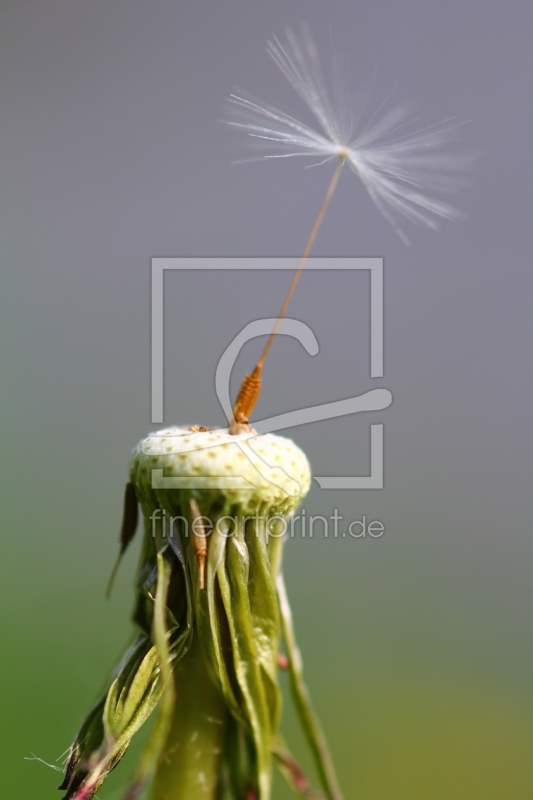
{"x": 374, "y": 400}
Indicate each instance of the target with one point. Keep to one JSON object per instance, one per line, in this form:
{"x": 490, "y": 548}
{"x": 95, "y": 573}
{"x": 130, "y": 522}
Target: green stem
{"x": 189, "y": 765}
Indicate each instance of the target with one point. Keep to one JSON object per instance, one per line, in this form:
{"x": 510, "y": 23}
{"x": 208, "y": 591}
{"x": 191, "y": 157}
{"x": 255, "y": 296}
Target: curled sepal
{"x": 141, "y": 681}
{"x": 310, "y": 723}
{"x": 130, "y": 518}
{"x": 106, "y": 733}
{"x": 293, "y": 772}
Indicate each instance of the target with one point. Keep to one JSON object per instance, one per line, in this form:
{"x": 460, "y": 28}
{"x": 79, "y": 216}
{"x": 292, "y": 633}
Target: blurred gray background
{"x": 417, "y": 645}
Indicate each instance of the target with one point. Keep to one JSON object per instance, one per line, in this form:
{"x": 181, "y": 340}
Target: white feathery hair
{"x": 396, "y": 172}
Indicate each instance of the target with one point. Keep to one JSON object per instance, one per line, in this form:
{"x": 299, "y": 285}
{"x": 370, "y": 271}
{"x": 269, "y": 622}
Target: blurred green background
{"x": 417, "y": 645}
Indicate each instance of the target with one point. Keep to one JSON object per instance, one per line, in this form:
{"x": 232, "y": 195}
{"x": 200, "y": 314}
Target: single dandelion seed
{"x": 396, "y": 173}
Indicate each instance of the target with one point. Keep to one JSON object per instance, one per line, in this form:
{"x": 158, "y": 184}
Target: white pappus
{"x": 398, "y": 171}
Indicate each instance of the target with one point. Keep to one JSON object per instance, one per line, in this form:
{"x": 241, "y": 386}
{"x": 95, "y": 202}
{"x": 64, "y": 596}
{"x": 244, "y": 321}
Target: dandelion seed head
{"x": 399, "y": 164}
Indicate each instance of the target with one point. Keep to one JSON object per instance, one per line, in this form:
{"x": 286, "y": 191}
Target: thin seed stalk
{"x": 307, "y": 249}
{"x": 251, "y": 386}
